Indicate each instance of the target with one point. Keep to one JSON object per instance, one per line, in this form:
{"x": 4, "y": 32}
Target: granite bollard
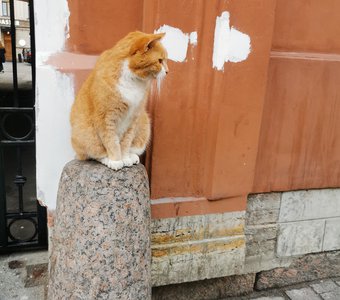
{"x": 101, "y": 238}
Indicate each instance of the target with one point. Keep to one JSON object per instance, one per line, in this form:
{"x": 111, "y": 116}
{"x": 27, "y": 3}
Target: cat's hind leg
{"x": 142, "y": 135}
{"x": 79, "y": 149}
{"x": 89, "y": 146}
{"x": 102, "y": 156}
{"x": 112, "y": 157}
{"x": 129, "y": 159}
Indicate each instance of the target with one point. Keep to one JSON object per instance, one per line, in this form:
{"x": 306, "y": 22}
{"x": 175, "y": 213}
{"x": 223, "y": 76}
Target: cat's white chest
{"x": 132, "y": 90}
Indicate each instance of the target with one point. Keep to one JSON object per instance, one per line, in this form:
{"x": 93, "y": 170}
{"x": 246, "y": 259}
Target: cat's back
{"x": 82, "y": 106}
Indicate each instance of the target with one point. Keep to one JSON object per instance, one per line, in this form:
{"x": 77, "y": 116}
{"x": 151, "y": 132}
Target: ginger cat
{"x": 108, "y": 118}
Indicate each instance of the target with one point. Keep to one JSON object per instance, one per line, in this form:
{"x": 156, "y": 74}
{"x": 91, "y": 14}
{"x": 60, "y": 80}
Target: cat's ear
{"x": 154, "y": 39}
{"x": 145, "y": 43}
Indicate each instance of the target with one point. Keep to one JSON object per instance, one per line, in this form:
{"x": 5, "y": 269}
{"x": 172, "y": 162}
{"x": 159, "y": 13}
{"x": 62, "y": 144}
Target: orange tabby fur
{"x": 108, "y": 118}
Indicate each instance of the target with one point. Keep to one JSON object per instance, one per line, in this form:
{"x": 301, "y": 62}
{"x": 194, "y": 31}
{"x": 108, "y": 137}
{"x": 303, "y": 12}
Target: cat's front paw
{"x": 127, "y": 161}
{"x": 134, "y": 158}
{"x": 130, "y": 160}
{"x": 112, "y": 164}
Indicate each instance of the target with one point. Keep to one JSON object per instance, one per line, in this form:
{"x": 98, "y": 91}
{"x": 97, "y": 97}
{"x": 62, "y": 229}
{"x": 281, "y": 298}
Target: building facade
{"x": 22, "y": 27}
{"x": 265, "y": 125}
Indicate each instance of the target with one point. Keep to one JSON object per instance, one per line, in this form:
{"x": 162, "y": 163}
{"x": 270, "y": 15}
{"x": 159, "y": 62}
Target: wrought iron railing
{"x": 22, "y": 225}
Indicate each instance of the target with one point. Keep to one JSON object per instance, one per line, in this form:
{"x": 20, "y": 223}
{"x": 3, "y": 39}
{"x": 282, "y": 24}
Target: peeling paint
{"x": 53, "y": 146}
{"x": 176, "y": 42}
{"x": 52, "y": 25}
{"x": 41, "y": 196}
{"x": 229, "y": 43}
{"x": 54, "y": 93}
{"x": 193, "y": 38}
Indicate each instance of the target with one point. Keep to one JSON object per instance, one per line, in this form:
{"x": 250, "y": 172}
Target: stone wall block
{"x": 263, "y": 208}
{"x": 310, "y": 204}
{"x": 268, "y": 201}
{"x": 101, "y": 238}
{"x": 332, "y": 235}
{"x": 298, "y": 238}
{"x": 193, "y": 248}
{"x": 261, "y": 233}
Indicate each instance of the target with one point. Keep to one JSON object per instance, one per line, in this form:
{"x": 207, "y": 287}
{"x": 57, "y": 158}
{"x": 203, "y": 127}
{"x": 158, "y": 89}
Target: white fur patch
{"x": 131, "y": 159}
{"x": 112, "y": 164}
{"x": 138, "y": 151}
{"x": 133, "y": 90}
{"x": 131, "y": 87}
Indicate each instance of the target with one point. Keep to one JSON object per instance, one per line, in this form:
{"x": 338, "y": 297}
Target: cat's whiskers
{"x": 159, "y": 79}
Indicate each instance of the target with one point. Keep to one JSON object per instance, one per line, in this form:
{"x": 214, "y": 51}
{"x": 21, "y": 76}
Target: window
{"x": 5, "y": 8}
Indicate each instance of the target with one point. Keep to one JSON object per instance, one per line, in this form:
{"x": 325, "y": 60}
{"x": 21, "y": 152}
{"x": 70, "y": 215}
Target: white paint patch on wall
{"x": 176, "y": 42}
{"x": 52, "y": 27}
{"x": 229, "y": 44}
{"x": 55, "y": 96}
{"x": 193, "y": 38}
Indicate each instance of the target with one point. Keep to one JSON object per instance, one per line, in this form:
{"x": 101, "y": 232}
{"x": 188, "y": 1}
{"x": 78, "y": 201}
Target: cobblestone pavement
{"x": 326, "y": 289}
{"x": 24, "y": 76}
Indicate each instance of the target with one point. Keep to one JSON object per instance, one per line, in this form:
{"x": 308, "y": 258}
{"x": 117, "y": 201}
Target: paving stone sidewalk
{"x": 326, "y": 289}
{"x": 24, "y": 76}
{"x": 23, "y": 276}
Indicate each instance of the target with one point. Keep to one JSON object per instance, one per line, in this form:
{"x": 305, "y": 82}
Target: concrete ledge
{"x": 197, "y": 247}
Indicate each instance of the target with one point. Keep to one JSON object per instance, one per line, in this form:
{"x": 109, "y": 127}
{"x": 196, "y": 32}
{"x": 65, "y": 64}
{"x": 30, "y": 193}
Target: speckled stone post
{"x": 101, "y": 238}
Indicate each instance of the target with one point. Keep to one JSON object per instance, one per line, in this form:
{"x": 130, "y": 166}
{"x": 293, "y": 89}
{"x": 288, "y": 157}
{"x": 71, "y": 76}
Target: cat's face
{"x": 148, "y": 57}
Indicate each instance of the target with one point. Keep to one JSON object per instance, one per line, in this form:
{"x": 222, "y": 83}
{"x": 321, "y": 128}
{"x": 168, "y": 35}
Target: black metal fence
{"x": 23, "y": 222}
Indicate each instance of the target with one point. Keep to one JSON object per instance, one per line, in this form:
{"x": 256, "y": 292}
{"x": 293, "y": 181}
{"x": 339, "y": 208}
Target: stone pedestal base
{"x": 101, "y": 238}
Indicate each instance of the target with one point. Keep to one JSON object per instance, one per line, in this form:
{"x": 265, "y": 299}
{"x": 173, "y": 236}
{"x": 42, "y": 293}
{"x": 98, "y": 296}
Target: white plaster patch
{"x": 176, "y": 42}
{"x": 53, "y": 131}
{"x": 52, "y": 27}
{"x": 193, "y": 38}
{"x": 229, "y": 43}
{"x": 41, "y": 59}
{"x": 54, "y": 94}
